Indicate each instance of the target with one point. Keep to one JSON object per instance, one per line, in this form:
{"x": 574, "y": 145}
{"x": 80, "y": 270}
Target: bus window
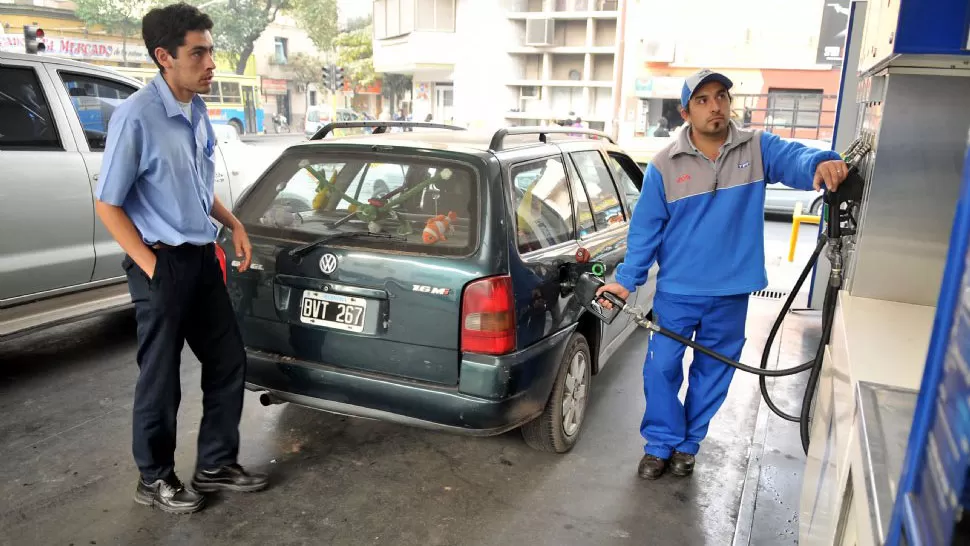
{"x": 230, "y": 92}
{"x": 213, "y": 95}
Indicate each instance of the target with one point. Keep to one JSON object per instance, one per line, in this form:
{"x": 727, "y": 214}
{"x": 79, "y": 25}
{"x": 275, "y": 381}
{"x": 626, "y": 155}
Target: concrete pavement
{"x": 66, "y": 475}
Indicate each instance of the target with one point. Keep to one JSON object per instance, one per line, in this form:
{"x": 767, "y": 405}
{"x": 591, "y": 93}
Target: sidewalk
{"x": 768, "y": 512}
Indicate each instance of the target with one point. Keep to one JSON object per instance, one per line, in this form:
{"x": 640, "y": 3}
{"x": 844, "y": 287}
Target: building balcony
{"x": 563, "y": 15}
{"x": 567, "y": 9}
{"x": 561, "y": 83}
{"x": 417, "y": 51}
{"x": 577, "y": 50}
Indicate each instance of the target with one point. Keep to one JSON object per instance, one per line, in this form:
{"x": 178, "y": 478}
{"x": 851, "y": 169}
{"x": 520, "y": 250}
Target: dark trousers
{"x": 185, "y": 301}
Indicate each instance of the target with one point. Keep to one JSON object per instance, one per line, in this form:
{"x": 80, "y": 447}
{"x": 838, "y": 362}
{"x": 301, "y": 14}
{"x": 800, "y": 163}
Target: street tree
{"x": 121, "y": 17}
{"x": 395, "y": 86}
{"x": 306, "y": 69}
{"x": 355, "y": 53}
{"x": 238, "y": 24}
{"x": 318, "y": 18}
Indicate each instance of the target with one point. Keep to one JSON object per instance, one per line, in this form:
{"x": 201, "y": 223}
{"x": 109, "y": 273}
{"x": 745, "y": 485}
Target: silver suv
{"x": 57, "y": 261}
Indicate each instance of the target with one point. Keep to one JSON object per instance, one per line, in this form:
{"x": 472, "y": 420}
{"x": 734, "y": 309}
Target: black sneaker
{"x": 681, "y": 464}
{"x": 651, "y": 467}
{"x": 169, "y": 495}
{"x": 228, "y": 478}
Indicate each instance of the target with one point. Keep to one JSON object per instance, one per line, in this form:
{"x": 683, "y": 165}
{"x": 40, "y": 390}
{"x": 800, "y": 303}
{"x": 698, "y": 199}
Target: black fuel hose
{"x": 762, "y": 380}
{"x": 828, "y": 315}
{"x": 718, "y": 356}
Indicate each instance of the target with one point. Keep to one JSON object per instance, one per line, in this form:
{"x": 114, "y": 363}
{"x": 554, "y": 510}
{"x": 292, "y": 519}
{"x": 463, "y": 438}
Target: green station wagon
{"x": 419, "y": 276}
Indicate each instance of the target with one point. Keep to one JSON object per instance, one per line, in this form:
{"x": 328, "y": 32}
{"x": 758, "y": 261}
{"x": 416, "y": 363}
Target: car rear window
{"x": 427, "y": 205}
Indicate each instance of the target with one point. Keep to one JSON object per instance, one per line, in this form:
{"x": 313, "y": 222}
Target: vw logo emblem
{"x": 328, "y": 263}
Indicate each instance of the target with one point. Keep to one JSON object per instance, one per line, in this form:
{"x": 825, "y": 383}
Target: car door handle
{"x": 95, "y": 177}
{"x": 235, "y": 173}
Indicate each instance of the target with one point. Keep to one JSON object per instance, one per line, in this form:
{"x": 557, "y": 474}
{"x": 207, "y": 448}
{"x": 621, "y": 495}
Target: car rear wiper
{"x": 304, "y": 248}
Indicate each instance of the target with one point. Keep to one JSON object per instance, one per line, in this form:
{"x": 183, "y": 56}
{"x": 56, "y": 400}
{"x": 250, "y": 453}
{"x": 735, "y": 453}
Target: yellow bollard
{"x": 796, "y": 221}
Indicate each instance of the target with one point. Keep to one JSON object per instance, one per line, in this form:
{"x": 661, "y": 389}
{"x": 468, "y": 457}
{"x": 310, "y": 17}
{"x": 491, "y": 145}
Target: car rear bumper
{"x": 493, "y": 395}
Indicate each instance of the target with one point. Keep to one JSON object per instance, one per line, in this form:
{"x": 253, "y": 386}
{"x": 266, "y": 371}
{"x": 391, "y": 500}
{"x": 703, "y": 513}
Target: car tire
{"x": 816, "y": 208}
{"x": 551, "y": 431}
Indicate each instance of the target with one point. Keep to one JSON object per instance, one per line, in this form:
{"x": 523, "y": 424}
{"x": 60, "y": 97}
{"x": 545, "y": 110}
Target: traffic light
{"x": 32, "y": 39}
{"x": 338, "y": 78}
{"x": 327, "y": 77}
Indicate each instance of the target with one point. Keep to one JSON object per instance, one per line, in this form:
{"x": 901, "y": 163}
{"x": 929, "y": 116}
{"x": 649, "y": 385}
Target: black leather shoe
{"x": 681, "y": 464}
{"x": 169, "y": 495}
{"x": 651, "y": 467}
{"x": 229, "y": 478}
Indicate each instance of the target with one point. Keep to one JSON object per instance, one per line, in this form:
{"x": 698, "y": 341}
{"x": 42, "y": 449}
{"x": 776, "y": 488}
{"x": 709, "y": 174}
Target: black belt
{"x": 183, "y": 246}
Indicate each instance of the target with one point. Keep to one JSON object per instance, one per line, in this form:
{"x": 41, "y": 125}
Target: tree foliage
{"x": 318, "y": 18}
{"x": 395, "y": 85}
{"x": 238, "y": 24}
{"x": 122, "y": 17}
{"x": 306, "y": 69}
{"x": 355, "y": 53}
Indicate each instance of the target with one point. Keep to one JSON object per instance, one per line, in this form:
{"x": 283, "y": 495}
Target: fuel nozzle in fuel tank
{"x": 584, "y": 277}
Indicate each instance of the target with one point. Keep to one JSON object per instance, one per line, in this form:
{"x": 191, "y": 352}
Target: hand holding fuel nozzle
{"x": 612, "y": 293}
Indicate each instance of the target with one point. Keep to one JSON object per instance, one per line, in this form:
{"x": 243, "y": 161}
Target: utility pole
{"x": 618, "y": 70}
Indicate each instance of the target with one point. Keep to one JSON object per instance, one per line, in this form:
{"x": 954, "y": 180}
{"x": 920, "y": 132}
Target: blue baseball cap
{"x": 698, "y": 79}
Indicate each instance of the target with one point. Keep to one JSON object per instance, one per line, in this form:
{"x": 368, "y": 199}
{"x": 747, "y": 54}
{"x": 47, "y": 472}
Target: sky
{"x": 347, "y": 9}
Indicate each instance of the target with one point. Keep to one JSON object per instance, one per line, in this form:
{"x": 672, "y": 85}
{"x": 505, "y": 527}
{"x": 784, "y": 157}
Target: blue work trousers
{"x": 718, "y": 322}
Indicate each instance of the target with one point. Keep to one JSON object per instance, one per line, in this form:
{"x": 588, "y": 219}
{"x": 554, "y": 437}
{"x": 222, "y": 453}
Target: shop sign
{"x": 75, "y": 48}
{"x": 273, "y": 87}
{"x": 659, "y": 87}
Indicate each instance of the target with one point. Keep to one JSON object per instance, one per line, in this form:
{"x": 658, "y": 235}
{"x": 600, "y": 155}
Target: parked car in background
{"x": 416, "y": 277}
{"x": 57, "y": 260}
{"x": 780, "y": 199}
{"x": 318, "y": 116}
{"x": 247, "y": 161}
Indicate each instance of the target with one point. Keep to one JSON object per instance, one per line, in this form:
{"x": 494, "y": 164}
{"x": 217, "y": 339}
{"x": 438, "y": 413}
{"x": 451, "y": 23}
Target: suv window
{"x": 378, "y": 180}
{"x": 607, "y": 210}
{"x": 624, "y": 169}
{"x": 432, "y": 204}
{"x": 543, "y": 209}
{"x": 584, "y": 213}
{"x": 95, "y": 100}
{"x": 25, "y": 117}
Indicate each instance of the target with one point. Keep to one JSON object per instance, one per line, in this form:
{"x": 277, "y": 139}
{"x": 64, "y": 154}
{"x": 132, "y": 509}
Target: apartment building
{"x": 283, "y": 91}
{"x": 564, "y": 61}
{"x": 529, "y": 62}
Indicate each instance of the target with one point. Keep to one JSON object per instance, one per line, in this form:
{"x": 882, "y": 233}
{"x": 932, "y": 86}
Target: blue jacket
{"x": 703, "y": 221}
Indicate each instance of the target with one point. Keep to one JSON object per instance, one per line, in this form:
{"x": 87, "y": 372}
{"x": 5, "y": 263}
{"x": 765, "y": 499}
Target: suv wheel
{"x": 559, "y": 425}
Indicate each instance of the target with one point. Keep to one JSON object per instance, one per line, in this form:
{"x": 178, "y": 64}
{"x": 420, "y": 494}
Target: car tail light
{"x": 221, "y": 256}
{"x": 488, "y": 317}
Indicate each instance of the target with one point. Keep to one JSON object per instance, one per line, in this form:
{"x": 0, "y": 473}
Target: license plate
{"x": 333, "y": 311}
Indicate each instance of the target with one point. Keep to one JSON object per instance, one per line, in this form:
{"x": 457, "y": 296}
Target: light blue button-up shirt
{"x": 159, "y": 167}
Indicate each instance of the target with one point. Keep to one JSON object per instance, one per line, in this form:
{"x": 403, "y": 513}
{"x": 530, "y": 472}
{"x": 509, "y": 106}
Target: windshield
{"x": 432, "y": 205}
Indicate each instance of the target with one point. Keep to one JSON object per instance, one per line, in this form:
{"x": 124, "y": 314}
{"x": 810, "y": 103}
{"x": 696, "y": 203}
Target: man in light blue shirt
{"x": 155, "y": 196}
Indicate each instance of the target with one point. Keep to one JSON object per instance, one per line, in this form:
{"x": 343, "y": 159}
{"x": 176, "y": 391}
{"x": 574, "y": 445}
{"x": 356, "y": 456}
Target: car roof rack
{"x": 380, "y": 127}
{"x": 499, "y": 138}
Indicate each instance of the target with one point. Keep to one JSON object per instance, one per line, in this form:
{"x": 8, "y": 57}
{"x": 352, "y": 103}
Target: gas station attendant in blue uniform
{"x": 701, "y": 218}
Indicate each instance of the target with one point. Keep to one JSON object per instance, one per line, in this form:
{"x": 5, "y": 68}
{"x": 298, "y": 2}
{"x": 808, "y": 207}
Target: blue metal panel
{"x": 934, "y": 27}
{"x": 934, "y": 483}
